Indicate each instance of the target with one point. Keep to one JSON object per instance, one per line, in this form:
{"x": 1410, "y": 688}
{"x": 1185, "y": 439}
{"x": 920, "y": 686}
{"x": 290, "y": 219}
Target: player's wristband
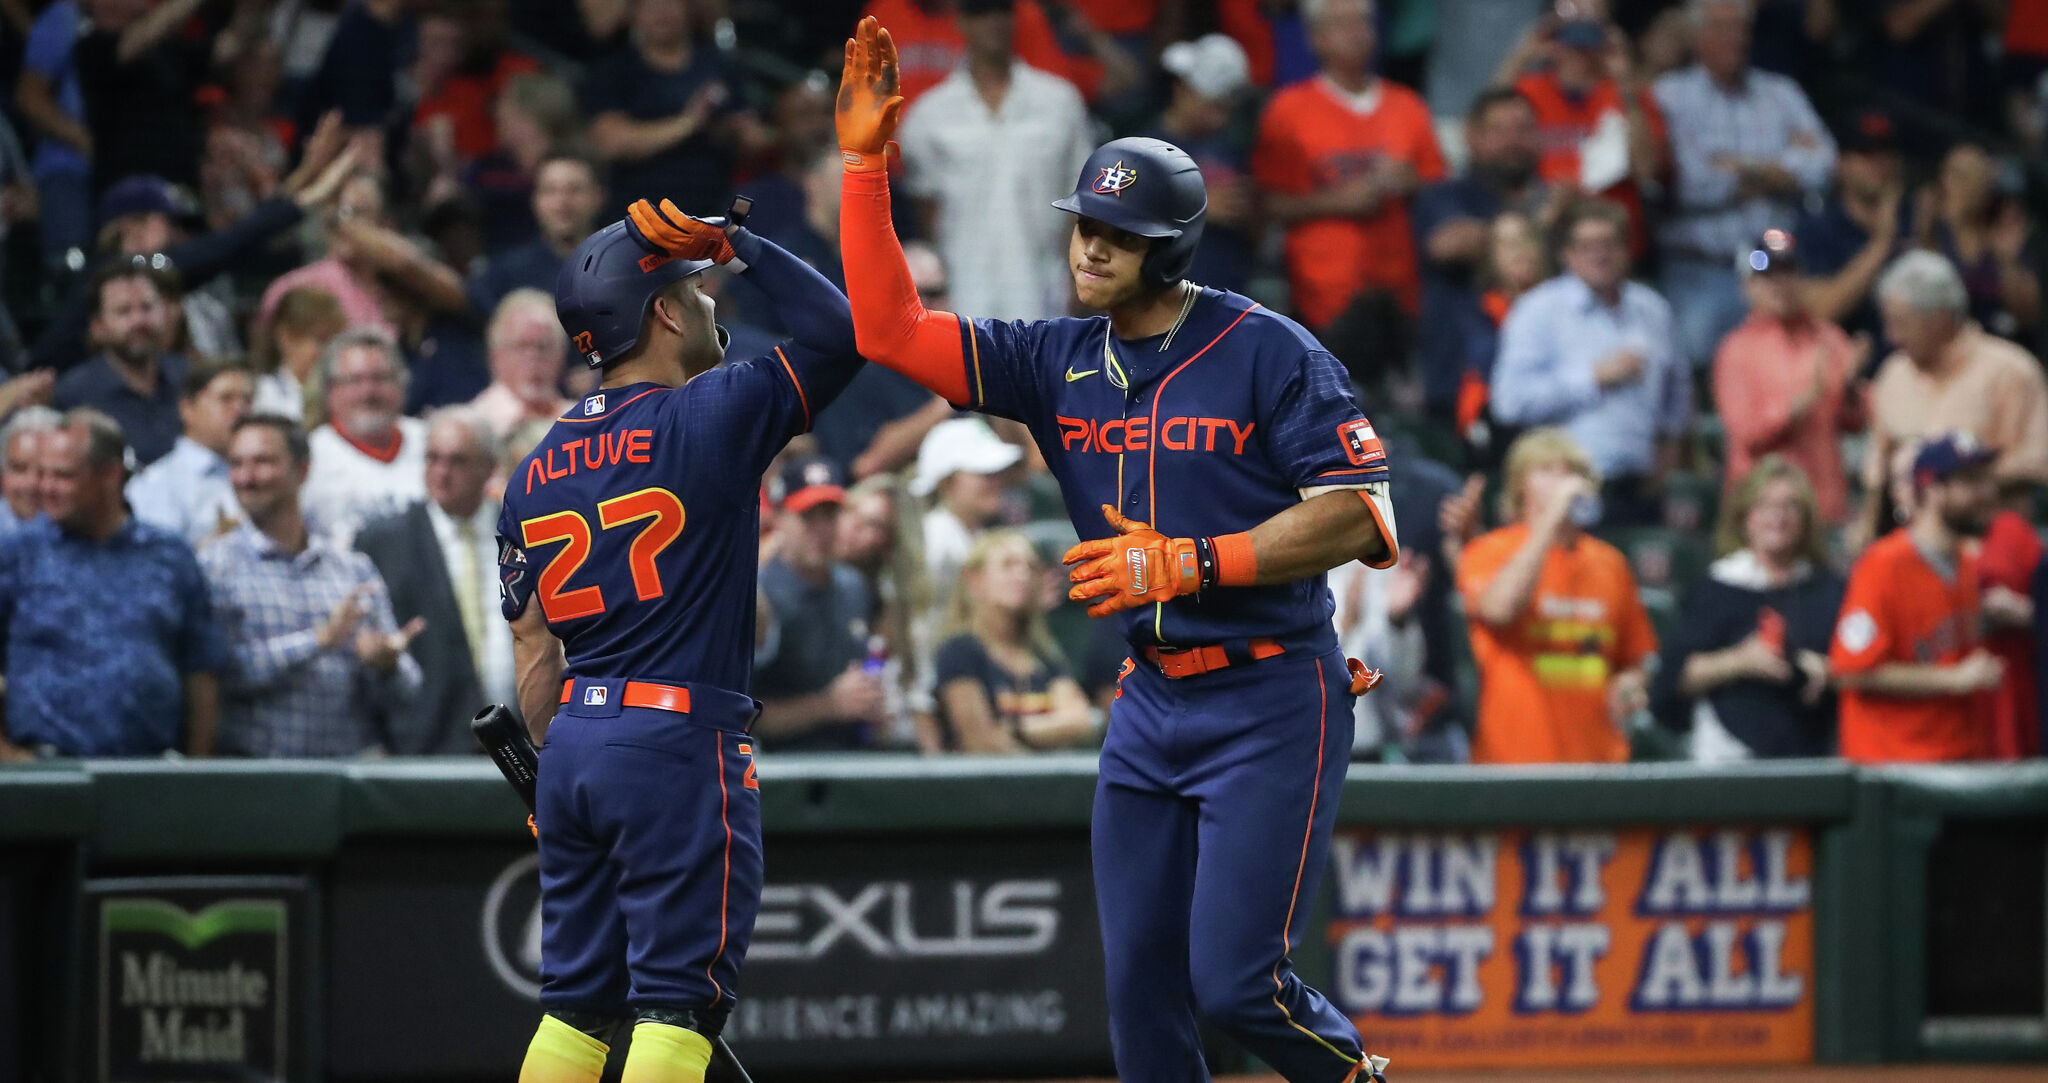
{"x": 866, "y": 161}
{"x": 1227, "y": 560}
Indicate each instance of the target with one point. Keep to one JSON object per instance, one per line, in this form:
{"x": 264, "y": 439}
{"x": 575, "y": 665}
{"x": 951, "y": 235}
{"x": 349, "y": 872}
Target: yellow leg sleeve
{"x": 661, "y": 1053}
{"x": 562, "y": 1054}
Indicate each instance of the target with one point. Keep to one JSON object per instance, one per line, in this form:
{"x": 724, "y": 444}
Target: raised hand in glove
{"x": 1138, "y": 567}
{"x": 678, "y": 234}
{"x": 868, "y": 106}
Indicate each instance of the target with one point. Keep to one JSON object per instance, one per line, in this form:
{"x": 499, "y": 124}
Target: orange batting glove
{"x": 678, "y": 234}
{"x": 1139, "y": 567}
{"x": 868, "y": 106}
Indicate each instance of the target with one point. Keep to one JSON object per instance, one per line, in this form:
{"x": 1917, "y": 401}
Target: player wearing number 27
{"x": 1215, "y": 465}
{"x": 627, "y": 557}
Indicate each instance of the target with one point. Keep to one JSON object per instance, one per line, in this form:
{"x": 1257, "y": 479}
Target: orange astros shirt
{"x": 1543, "y": 682}
{"x": 1564, "y": 121}
{"x": 1900, "y": 609}
{"x": 1311, "y": 138}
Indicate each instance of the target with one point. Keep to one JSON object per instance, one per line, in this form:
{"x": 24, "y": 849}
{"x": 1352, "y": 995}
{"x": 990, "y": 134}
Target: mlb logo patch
{"x": 1361, "y": 444}
{"x": 593, "y": 696}
{"x": 593, "y": 405}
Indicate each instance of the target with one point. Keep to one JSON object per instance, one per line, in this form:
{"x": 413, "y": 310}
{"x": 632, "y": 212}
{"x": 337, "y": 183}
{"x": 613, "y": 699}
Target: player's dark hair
{"x": 205, "y": 371}
{"x": 1490, "y": 98}
{"x": 286, "y": 429}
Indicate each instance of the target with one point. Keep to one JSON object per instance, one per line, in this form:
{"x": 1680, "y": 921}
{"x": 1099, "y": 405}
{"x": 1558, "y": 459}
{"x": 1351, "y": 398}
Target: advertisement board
{"x": 964, "y": 953}
{"x": 194, "y": 978}
{"x": 1518, "y": 948}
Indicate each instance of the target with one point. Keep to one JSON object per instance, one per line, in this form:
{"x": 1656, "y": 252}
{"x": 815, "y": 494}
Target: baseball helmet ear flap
{"x": 607, "y": 286}
{"x": 1153, "y": 189}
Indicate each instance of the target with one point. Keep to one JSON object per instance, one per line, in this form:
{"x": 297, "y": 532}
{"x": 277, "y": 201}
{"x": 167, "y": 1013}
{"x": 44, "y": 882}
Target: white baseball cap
{"x": 963, "y": 444}
{"x": 1214, "y": 65}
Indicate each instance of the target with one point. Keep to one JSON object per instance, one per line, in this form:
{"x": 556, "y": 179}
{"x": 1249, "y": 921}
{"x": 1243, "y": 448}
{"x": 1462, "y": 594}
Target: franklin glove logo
{"x": 1136, "y": 558}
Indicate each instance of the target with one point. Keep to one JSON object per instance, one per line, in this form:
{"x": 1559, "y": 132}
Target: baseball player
{"x": 627, "y": 553}
{"x": 1214, "y": 463}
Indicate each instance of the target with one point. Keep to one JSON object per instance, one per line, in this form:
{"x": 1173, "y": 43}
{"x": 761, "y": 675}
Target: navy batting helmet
{"x": 1151, "y": 188}
{"x": 604, "y": 291}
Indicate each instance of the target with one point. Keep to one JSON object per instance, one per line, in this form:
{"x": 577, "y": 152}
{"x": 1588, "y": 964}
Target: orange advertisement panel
{"x": 1516, "y": 948}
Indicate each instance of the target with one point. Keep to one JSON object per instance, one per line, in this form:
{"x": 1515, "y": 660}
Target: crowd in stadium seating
{"x": 1705, "y": 337}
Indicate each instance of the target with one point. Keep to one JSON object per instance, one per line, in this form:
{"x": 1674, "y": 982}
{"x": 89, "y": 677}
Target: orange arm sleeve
{"x": 890, "y": 324}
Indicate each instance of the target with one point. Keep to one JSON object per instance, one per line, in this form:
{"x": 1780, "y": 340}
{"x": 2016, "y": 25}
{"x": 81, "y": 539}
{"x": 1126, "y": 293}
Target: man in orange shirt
{"x": 1575, "y": 69}
{"x": 1558, "y": 627}
{"x": 1338, "y": 157}
{"x": 1907, "y": 649}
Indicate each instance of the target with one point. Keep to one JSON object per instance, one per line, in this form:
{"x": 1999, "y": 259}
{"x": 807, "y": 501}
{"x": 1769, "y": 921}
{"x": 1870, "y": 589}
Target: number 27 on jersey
{"x": 660, "y": 513}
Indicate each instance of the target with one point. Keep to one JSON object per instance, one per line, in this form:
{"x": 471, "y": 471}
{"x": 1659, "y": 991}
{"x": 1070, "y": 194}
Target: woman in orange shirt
{"x": 1558, "y": 627}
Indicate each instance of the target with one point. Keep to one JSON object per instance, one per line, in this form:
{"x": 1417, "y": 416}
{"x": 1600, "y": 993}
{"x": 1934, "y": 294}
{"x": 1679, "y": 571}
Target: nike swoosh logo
{"x": 1072, "y": 375}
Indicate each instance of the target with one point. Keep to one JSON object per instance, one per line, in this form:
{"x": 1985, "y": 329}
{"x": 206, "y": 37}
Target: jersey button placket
{"x": 1135, "y": 482}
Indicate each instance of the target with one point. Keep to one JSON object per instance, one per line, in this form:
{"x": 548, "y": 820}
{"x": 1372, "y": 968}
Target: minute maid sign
{"x": 194, "y": 979}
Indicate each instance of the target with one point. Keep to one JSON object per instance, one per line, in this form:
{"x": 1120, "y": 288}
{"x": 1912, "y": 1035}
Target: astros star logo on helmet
{"x": 1115, "y": 178}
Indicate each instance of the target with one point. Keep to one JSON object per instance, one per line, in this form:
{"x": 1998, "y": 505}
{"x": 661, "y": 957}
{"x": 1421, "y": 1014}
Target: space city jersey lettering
{"x": 1212, "y": 428}
{"x": 1114, "y": 436}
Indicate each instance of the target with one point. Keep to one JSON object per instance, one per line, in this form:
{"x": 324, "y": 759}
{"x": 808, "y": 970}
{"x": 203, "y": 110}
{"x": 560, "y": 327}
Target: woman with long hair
{"x": 1746, "y": 672}
{"x": 1001, "y": 684}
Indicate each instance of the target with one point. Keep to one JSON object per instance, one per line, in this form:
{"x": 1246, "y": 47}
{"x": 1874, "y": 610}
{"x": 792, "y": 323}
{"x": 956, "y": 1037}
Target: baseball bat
{"x": 504, "y": 737}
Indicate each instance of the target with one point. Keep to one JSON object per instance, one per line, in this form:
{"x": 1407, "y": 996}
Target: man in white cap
{"x": 1209, "y": 77}
{"x": 963, "y": 466}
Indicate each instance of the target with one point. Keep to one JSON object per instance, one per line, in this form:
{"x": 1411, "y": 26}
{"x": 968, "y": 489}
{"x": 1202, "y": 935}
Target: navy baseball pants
{"x": 1212, "y": 826}
{"x": 650, "y": 851}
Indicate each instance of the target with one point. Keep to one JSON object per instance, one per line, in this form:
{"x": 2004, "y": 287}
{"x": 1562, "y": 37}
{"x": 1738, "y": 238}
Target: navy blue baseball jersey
{"x": 1217, "y": 426}
{"x": 638, "y": 517}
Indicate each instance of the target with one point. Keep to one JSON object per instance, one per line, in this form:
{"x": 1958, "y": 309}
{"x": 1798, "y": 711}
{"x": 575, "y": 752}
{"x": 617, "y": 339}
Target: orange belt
{"x": 661, "y": 697}
{"x": 1178, "y": 662}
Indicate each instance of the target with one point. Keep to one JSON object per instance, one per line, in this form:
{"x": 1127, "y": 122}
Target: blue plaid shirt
{"x": 283, "y": 696}
{"x": 99, "y": 637}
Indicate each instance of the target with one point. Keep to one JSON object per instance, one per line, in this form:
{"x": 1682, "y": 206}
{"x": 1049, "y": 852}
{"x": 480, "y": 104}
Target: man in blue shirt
{"x": 664, "y": 113}
{"x": 567, "y": 191}
{"x": 316, "y": 663}
{"x": 1746, "y": 150}
{"x": 134, "y": 378}
{"x": 105, "y": 620}
{"x": 187, "y": 491}
{"x": 1596, "y": 354}
{"x": 21, "y": 449}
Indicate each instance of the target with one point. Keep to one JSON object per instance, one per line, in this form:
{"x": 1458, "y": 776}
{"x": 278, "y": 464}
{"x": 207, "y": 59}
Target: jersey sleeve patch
{"x": 515, "y": 585}
{"x": 1361, "y": 444}
{"x": 1856, "y": 631}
